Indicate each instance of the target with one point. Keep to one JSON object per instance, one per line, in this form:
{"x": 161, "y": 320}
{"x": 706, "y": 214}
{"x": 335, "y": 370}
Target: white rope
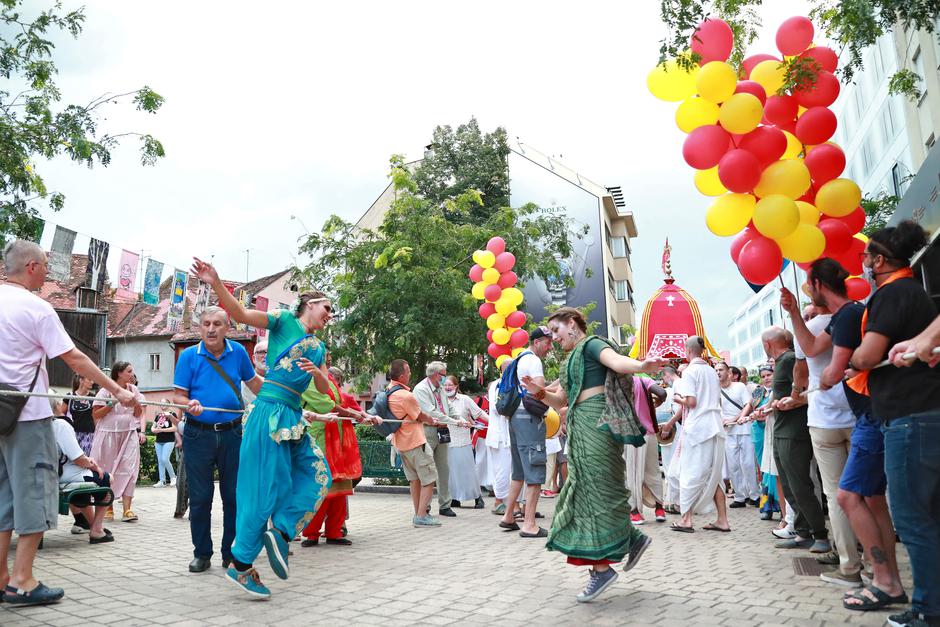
{"x": 72, "y": 397}
{"x": 887, "y": 362}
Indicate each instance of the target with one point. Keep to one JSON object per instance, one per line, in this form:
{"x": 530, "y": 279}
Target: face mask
{"x": 451, "y": 393}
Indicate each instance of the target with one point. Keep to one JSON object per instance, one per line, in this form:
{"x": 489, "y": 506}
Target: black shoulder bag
{"x": 12, "y": 406}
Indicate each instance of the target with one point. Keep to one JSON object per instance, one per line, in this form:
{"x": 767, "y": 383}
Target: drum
{"x": 552, "y": 423}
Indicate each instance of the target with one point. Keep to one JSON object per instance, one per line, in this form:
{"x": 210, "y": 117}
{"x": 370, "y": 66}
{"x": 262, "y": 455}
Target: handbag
{"x": 535, "y": 407}
{"x": 12, "y": 406}
{"x": 443, "y": 435}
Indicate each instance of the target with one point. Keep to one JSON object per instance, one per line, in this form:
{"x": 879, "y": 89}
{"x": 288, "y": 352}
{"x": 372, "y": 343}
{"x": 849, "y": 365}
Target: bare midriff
{"x": 588, "y": 393}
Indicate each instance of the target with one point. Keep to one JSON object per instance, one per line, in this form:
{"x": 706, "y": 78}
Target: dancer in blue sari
{"x": 282, "y": 474}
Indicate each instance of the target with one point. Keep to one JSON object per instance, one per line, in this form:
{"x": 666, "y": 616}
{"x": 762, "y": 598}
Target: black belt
{"x": 215, "y": 426}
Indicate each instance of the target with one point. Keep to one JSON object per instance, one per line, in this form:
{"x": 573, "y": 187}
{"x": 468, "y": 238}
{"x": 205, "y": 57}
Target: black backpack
{"x": 509, "y": 393}
{"x": 381, "y": 409}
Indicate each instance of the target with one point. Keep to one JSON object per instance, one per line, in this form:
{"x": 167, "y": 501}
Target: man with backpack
{"x": 526, "y": 433}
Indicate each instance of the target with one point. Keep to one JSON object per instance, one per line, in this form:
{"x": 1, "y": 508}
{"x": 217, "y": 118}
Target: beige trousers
{"x": 831, "y": 449}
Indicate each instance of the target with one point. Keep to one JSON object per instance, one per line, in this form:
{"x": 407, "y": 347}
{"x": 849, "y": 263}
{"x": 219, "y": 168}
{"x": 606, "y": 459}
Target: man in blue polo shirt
{"x": 210, "y": 374}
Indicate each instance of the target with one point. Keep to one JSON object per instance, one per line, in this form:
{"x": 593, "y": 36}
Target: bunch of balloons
{"x": 494, "y": 282}
{"x": 764, "y": 152}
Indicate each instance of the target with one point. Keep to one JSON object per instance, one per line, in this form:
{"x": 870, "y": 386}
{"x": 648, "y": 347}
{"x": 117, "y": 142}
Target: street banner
{"x": 245, "y": 299}
{"x": 96, "y": 271}
{"x": 202, "y": 301}
{"x": 174, "y": 316}
{"x": 261, "y": 304}
{"x": 152, "y": 281}
{"x": 127, "y": 276}
{"x": 60, "y": 256}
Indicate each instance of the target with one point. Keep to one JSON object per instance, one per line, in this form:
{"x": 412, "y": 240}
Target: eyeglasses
{"x": 261, "y": 352}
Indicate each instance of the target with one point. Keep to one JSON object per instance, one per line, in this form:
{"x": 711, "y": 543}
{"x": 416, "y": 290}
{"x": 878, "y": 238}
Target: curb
{"x": 383, "y": 489}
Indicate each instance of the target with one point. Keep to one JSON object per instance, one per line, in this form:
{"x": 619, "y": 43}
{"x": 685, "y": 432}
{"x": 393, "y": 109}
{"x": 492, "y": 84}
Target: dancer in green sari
{"x": 592, "y": 515}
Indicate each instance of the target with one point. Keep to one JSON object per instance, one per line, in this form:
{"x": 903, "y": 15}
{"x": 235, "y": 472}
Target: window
{"x": 86, "y": 298}
{"x": 770, "y": 317}
{"x": 755, "y": 328}
{"x": 621, "y": 290}
{"x": 154, "y": 362}
{"x": 618, "y": 246}
{"x": 611, "y": 284}
{"x": 896, "y": 180}
{"x": 930, "y": 142}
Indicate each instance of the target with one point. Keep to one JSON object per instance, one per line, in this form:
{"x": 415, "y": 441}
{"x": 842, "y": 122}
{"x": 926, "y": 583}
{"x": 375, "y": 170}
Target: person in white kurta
{"x": 703, "y": 443}
{"x": 464, "y": 485}
{"x": 740, "y": 459}
{"x": 499, "y": 455}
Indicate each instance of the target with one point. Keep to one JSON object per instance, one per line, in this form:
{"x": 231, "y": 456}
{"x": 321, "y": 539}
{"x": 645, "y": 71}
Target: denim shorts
{"x": 527, "y": 436}
{"x": 864, "y": 472}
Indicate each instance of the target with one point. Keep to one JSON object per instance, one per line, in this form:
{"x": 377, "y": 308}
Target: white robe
{"x": 643, "y": 478}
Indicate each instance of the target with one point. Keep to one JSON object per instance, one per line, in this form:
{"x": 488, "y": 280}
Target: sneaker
{"x": 158, "y": 484}
{"x": 907, "y": 619}
{"x": 597, "y": 584}
{"x": 425, "y": 521}
{"x": 786, "y": 533}
{"x": 637, "y": 519}
{"x": 77, "y": 530}
{"x": 853, "y": 580}
{"x": 173, "y": 482}
{"x": 499, "y": 510}
{"x": 660, "y": 514}
{"x": 737, "y": 504}
{"x": 794, "y": 543}
{"x": 249, "y": 581}
{"x": 276, "y": 547}
{"x": 820, "y": 546}
{"x": 829, "y": 559}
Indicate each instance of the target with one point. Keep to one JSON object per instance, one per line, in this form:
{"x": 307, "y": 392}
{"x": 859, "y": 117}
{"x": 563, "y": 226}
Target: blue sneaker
{"x": 276, "y": 547}
{"x": 425, "y": 521}
{"x": 249, "y": 581}
{"x": 597, "y": 584}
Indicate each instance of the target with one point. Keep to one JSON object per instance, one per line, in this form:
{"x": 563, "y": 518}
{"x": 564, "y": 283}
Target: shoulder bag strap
{"x": 218, "y": 368}
{"x": 731, "y": 400}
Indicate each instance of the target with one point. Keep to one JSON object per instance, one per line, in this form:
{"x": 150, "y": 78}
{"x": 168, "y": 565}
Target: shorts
{"x": 864, "y": 472}
{"x": 29, "y": 478}
{"x": 527, "y": 438}
{"x": 418, "y": 464}
{"x": 104, "y": 498}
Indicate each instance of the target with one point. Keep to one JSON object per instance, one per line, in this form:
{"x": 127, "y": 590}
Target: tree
{"x": 34, "y": 125}
{"x": 465, "y": 159}
{"x": 556, "y": 357}
{"x": 402, "y": 290}
{"x": 878, "y": 210}
{"x": 853, "y": 25}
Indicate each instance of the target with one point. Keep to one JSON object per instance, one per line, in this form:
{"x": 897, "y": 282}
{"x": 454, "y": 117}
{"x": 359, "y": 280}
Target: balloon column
{"x": 764, "y": 152}
{"x": 494, "y": 282}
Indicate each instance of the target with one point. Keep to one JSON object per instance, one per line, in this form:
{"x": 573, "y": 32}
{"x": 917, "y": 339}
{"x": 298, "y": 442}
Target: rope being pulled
{"x": 882, "y": 364}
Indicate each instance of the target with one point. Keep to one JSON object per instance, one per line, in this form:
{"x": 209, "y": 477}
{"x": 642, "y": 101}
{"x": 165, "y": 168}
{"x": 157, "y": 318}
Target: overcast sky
{"x": 293, "y": 108}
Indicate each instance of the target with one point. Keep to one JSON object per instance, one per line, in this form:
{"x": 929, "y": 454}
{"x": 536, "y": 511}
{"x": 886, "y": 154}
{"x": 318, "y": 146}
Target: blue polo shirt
{"x": 199, "y": 379}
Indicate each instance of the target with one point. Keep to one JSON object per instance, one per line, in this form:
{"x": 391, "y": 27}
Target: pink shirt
{"x": 120, "y": 418}
{"x": 30, "y": 331}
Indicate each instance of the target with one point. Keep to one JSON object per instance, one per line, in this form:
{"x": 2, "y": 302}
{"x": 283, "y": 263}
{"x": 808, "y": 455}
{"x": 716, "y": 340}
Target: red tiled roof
{"x": 61, "y": 295}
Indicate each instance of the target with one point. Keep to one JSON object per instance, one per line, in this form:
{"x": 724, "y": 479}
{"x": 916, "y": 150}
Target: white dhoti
{"x": 742, "y": 466}
{"x": 700, "y": 466}
{"x": 500, "y": 462}
{"x": 643, "y": 477}
{"x": 481, "y": 458}
{"x": 669, "y": 453}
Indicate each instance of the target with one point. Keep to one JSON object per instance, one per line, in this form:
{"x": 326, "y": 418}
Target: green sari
{"x": 592, "y": 513}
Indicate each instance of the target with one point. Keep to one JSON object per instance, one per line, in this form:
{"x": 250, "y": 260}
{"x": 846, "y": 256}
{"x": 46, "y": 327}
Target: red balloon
{"x": 767, "y": 143}
{"x": 504, "y": 262}
{"x": 712, "y": 40}
{"x": 805, "y": 266}
{"x": 739, "y": 171}
{"x": 855, "y": 220}
{"x": 857, "y": 288}
{"x": 827, "y": 58}
{"x": 492, "y": 293}
{"x": 851, "y": 259}
{"x": 816, "y": 126}
{"x": 489, "y": 335}
{"x": 519, "y": 337}
{"x": 795, "y": 35}
{"x": 495, "y": 350}
{"x": 486, "y": 310}
{"x": 780, "y": 110}
{"x": 753, "y": 88}
{"x": 809, "y": 196}
{"x": 515, "y": 320}
{"x": 476, "y": 273}
{"x": 740, "y": 240}
{"x": 760, "y": 260}
{"x": 704, "y": 147}
{"x": 822, "y": 93}
{"x": 496, "y": 245}
{"x": 825, "y": 162}
{"x": 838, "y": 237}
{"x": 507, "y": 279}
{"x": 748, "y": 64}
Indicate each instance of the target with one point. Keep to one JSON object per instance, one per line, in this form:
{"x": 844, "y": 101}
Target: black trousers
{"x": 793, "y": 459}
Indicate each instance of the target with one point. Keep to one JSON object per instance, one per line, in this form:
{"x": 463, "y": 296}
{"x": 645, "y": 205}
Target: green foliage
{"x": 906, "y": 83}
{"x": 463, "y": 161}
{"x": 878, "y": 210}
{"x": 402, "y": 290}
{"x": 33, "y": 123}
{"x": 852, "y": 24}
{"x": 551, "y": 365}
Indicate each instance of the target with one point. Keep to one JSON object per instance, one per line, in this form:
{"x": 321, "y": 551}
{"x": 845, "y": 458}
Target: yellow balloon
{"x": 809, "y": 214}
{"x": 477, "y": 255}
{"x": 861, "y": 237}
{"x": 667, "y": 81}
{"x": 490, "y": 275}
{"x": 794, "y": 146}
{"x": 500, "y": 336}
{"x": 708, "y": 183}
{"x": 788, "y": 177}
{"x": 805, "y": 244}
{"x": 504, "y": 306}
{"x": 776, "y": 216}
{"x": 741, "y": 113}
{"x": 838, "y": 197}
{"x": 479, "y": 290}
{"x": 771, "y": 75}
{"x": 716, "y": 81}
{"x": 729, "y": 214}
{"x": 513, "y": 295}
{"x": 517, "y": 351}
{"x": 486, "y": 259}
{"x": 696, "y": 112}
{"x": 496, "y": 321}
{"x": 501, "y": 360}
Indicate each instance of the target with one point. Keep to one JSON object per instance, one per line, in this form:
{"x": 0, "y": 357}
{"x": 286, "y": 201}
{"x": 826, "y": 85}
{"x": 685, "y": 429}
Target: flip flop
{"x": 883, "y": 599}
{"x": 505, "y": 526}
{"x": 541, "y": 533}
{"x": 683, "y": 529}
{"x": 713, "y": 527}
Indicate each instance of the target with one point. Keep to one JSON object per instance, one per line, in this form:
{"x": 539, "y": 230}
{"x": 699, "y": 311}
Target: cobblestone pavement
{"x": 468, "y": 571}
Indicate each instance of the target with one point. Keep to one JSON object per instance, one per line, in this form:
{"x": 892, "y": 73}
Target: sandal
{"x": 677, "y": 527}
{"x": 883, "y": 599}
{"x": 714, "y": 527}
{"x": 129, "y": 516}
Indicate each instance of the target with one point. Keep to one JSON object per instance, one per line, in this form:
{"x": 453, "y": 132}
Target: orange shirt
{"x": 404, "y": 405}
